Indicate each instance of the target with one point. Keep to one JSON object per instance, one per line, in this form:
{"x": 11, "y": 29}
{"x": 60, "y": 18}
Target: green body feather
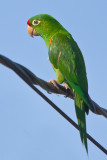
{"x": 68, "y": 63}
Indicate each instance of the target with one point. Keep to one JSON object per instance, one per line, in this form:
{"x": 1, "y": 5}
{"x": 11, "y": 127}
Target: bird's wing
{"x": 65, "y": 55}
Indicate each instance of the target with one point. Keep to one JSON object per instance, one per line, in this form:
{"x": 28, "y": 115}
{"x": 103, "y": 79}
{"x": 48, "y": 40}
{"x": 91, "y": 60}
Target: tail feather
{"x": 83, "y": 95}
{"x": 82, "y": 105}
{"x": 80, "y": 113}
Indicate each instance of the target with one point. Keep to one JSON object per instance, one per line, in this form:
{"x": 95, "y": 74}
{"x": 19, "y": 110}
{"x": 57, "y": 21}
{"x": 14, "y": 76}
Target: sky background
{"x": 29, "y": 128}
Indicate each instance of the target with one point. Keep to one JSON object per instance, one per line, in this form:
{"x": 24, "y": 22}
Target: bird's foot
{"x": 66, "y": 86}
{"x": 55, "y": 83}
{"x": 68, "y": 89}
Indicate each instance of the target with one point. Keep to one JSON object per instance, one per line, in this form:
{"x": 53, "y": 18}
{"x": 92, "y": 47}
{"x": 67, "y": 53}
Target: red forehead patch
{"x": 28, "y": 22}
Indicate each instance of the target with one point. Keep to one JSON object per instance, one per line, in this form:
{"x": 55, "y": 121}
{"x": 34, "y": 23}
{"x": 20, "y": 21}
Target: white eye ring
{"x": 35, "y": 22}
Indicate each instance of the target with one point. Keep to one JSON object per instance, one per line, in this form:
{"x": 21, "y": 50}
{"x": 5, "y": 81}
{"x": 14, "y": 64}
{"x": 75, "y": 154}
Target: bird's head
{"x": 43, "y": 25}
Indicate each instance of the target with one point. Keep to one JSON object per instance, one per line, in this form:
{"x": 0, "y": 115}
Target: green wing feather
{"x": 66, "y": 56}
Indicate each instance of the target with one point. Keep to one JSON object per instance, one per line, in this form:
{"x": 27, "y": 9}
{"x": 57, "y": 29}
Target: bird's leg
{"x": 55, "y": 83}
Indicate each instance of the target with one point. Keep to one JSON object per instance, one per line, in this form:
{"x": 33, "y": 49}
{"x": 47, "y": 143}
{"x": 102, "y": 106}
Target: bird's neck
{"x": 48, "y": 38}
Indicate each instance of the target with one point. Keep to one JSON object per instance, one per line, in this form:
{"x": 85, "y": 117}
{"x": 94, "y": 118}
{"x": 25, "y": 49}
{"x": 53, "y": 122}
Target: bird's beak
{"x": 31, "y": 31}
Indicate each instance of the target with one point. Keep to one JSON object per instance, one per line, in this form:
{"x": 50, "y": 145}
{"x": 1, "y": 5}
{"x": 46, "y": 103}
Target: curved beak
{"x": 31, "y": 31}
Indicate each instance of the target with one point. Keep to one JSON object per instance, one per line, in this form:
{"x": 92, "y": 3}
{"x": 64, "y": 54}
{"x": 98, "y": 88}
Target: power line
{"x": 68, "y": 118}
{"x": 21, "y": 71}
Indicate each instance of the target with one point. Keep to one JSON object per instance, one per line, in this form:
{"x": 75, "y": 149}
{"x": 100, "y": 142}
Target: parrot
{"x": 68, "y": 63}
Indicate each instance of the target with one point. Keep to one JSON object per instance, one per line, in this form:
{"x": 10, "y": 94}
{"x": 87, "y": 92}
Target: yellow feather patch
{"x": 59, "y": 55}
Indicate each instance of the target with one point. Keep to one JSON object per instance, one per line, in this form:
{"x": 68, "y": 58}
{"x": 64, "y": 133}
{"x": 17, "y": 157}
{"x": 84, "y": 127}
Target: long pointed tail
{"x": 83, "y": 95}
{"x": 80, "y": 113}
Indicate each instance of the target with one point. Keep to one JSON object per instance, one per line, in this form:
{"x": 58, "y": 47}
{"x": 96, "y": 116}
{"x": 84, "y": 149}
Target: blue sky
{"x": 29, "y": 127}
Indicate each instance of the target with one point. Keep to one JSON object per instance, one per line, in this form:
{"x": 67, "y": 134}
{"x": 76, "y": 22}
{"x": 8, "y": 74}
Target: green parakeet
{"x": 67, "y": 61}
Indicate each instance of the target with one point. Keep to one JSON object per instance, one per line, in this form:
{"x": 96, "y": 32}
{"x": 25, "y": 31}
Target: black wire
{"x": 19, "y": 70}
{"x": 68, "y": 119}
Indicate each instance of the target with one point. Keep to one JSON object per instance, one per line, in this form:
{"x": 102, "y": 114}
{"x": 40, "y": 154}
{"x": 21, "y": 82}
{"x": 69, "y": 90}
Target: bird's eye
{"x": 35, "y": 22}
